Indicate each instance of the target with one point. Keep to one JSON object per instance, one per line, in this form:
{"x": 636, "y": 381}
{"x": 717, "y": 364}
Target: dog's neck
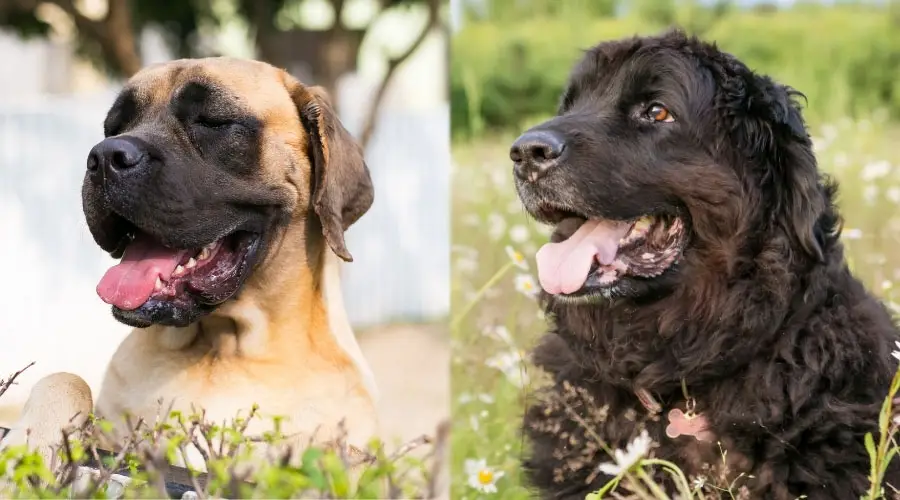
{"x": 296, "y": 310}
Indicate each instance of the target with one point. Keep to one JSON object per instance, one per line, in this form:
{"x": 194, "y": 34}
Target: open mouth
{"x": 602, "y": 252}
{"x": 150, "y": 271}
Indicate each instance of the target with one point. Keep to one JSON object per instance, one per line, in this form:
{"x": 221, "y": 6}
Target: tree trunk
{"x": 431, "y": 23}
{"x": 114, "y": 34}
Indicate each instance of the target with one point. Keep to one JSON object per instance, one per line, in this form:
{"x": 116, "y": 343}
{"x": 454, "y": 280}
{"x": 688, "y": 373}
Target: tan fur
{"x": 284, "y": 343}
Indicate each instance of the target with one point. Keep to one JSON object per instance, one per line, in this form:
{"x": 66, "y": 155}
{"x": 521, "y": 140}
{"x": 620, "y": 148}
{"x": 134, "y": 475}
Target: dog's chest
{"x": 227, "y": 389}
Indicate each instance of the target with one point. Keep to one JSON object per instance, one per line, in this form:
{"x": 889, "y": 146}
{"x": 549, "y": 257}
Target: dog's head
{"x": 204, "y": 164}
{"x": 666, "y": 152}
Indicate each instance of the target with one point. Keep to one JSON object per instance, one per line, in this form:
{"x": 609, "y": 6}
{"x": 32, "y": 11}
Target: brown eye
{"x": 659, "y": 113}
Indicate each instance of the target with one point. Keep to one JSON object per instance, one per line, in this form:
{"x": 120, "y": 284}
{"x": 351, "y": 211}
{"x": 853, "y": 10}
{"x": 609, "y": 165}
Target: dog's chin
{"x": 179, "y": 313}
{"x": 629, "y": 288}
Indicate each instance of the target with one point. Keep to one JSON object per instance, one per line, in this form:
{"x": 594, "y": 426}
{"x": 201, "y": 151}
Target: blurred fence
{"x": 49, "y": 311}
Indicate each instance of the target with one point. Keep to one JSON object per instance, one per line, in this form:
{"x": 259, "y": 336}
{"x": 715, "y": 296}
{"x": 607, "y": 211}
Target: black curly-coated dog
{"x": 696, "y": 271}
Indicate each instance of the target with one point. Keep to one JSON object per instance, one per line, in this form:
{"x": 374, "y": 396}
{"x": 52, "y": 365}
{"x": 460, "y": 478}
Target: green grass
{"x": 487, "y": 401}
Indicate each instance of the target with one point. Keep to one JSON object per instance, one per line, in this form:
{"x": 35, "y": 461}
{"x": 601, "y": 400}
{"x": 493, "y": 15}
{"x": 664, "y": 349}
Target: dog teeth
{"x": 179, "y": 270}
{"x": 159, "y": 284}
{"x": 205, "y": 252}
{"x": 191, "y": 263}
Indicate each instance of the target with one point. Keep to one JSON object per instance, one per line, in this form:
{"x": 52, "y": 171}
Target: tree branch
{"x": 5, "y": 384}
{"x": 394, "y": 63}
{"x": 114, "y": 34}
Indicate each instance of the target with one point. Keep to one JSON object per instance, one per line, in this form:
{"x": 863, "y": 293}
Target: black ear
{"x": 342, "y": 187}
{"x": 766, "y": 123}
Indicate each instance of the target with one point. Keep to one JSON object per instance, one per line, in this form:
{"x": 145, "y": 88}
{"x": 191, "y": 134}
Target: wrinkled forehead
{"x": 249, "y": 86}
{"x": 638, "y": 74}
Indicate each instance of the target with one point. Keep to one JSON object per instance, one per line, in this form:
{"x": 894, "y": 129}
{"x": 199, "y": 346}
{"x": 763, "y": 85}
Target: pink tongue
{"x": 563, "y": 267}
{"x": 129, "y": 284}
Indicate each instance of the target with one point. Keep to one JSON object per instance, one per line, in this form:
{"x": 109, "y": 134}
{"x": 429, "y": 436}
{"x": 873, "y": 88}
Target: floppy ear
{"x": 341, "y": 185}
{"x": 767, "y": 124}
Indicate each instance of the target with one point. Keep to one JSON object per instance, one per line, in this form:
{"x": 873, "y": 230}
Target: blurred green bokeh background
{"x": 511, "y": 57}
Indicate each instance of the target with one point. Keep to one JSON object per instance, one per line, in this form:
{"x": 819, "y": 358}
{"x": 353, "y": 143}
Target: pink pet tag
{"x": 688, "y": 424}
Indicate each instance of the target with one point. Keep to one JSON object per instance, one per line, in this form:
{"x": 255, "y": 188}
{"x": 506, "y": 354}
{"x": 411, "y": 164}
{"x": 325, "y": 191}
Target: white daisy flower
{"x": 486, "y": 398}
{"x": 525, "y": 284}
{"x": 499, "y": 332}
{"x": 841, "y": 160}
{"x": 496, "y": 226}
{"x": 482, "y": 477}
{"x": 625, "y": 460}
{"x": 893, "y": 194}
{"x": 466, "y": 265}
{"x": 511, "y": 363}
{"x": 467, "y": 397}
{"x": 870, "y": 193}
{"x": 519, "y": 233}
{"x": 875, "y": 170}
{"x": 517, "y": 258}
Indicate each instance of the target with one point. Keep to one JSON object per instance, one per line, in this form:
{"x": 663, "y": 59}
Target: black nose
{"x": 536, "y": 152}
{"x": 115, "y": 155}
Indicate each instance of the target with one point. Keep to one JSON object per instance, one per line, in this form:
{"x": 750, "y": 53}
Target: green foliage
{"x": 509, "y": 72}
{"x": 26, "y": 24}
{"x": 239, "y": 465}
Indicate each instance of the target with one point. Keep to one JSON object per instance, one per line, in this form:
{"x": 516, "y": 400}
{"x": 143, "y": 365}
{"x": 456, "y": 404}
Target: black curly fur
{"x": 786, "y": 353}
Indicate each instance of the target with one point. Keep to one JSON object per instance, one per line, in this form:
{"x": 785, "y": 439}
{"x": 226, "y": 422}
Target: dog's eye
{"x": 210, "y": 122}
{"x": 659, "y": 114}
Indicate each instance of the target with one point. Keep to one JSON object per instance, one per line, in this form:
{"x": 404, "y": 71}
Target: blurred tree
{"x": 659, "y": 12}
{"x": 111, "y": 39}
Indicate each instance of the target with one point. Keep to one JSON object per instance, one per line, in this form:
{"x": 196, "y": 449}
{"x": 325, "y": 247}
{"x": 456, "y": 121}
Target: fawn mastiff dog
{"x": 225, "y": 187}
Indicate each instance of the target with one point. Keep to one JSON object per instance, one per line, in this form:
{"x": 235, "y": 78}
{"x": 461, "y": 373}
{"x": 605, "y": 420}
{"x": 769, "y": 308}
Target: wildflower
{"x": 471, "y": 220}
{"x": 473, "y": 421}
{"x": 893, "y": 194}
{"x": 466, "y": 264}
{"x": 819, "y": 143}
{"x": 841, "y": 160}
{"x": 875, "y": 170}
{"x": 482, "y": 477}
{"x": 519, "y": 233}
{"x": 699, "y": 482}
{"x": 517, "y": 258}
{"x": 500, "y": 178}
{"x": 496, "y": 226}
{"x": 467, "y": 397}
{"x": 870, "y": 193}
{"x": 625, "y": 460}
{"x": 511, "y": 363}
{"x": 525, "y": 284}
{"x": 514, "y": 207}
{"x": 852, "y": 234}
{"x": 500, "y": 332}
{"x": 486, "y": 398}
